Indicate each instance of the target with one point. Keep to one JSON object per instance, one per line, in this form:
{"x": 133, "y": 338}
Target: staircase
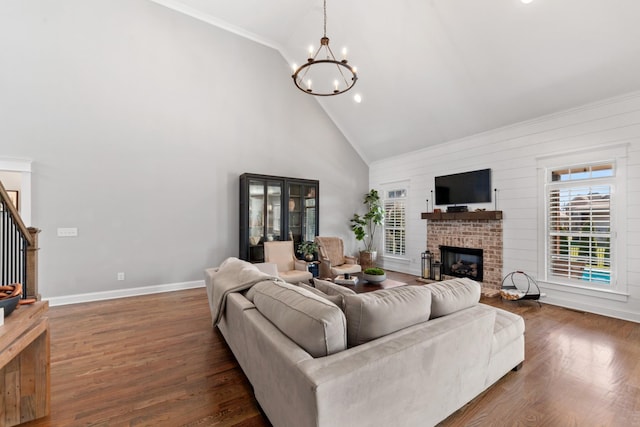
{"x": 18, "y": 249}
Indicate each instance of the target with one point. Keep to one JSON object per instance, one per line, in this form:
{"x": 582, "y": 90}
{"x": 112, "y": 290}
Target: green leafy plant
{"x": 308, "y": 248}
{"x": 374, "y": 271}
{"x": 364, "y": 227}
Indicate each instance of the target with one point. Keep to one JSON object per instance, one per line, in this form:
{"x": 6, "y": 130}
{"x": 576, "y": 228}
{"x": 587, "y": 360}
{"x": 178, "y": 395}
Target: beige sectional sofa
{"x": 408, "y": 356}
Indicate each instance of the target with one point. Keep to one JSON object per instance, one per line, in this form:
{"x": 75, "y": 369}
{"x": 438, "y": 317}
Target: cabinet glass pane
{"x": 256, "y": 212}
{"x": 295, "y": 214}
{"x": 274, "y": 211}
{"x": 310, "y": 213}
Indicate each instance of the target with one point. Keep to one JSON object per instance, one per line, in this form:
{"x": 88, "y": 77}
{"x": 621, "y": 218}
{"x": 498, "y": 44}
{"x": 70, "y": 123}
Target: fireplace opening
{"x": 461, "y": 262}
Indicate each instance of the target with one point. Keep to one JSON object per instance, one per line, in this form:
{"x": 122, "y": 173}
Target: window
{"x": 579, "y": 218}
{"x": 395, "y": 222}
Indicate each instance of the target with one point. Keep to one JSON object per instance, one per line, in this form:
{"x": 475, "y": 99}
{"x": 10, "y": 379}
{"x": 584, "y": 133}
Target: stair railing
{"x": 18, "y": 249}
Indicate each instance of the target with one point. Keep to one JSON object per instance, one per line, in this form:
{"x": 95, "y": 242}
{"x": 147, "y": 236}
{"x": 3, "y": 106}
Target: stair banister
{"x": 18, "y": 248}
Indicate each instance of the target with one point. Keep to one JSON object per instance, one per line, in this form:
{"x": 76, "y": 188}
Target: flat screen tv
{"x": 463, "y": 188}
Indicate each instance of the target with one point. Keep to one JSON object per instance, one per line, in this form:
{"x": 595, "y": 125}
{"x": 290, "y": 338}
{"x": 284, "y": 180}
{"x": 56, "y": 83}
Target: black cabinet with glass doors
{"x": 276, "y": 208}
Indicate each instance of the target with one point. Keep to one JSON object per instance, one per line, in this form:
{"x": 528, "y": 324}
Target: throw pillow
{"x": 375, "y": 314}
{"x": 312, "y": 322}
{"x": 331, "y": 288}
{"x": 336, "y": 299}
{"x": 453, "y": 295}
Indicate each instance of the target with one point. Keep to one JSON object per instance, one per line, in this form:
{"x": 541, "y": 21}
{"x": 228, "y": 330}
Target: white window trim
{"x": 399, "y": 185}
{"x": 617, "y": 154}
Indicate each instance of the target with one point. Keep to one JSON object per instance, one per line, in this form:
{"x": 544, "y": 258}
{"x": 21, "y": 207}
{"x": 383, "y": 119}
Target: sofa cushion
{"x": 314, "y": 323}
{"x": 250, "y": 293}
{"x": 336, "y": 299}
{"x": 375, "y": 314}
{"x": 331, "y": 288}
{"x": 453, "y": 295}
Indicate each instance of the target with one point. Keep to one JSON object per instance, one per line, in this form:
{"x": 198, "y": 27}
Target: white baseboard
{"x": 122, "y": 293}
{"x": 589, "y": 308}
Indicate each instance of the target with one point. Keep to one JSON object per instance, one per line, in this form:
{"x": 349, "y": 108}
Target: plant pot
{"x": 374, "y": 278}
{"x": 308, "y": 257}
{"x": 368, "y": 259}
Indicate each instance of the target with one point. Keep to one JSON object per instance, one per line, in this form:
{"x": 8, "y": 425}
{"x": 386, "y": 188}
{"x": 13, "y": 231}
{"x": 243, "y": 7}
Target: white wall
{"x": 139, "y": 121}
{"x": 511, "y": 153}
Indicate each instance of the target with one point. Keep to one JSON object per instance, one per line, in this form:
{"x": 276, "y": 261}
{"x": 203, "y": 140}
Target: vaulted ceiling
{"x": 431, "y": 71}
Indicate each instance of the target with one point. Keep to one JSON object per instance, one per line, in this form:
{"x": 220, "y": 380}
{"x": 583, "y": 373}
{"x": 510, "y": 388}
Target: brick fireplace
{"x": 473, "y": 230}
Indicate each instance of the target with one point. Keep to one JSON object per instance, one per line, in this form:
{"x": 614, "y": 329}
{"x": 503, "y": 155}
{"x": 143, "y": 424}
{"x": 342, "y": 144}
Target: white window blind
{"x": 395, "y": 222}
{"x": 579, "y": 224}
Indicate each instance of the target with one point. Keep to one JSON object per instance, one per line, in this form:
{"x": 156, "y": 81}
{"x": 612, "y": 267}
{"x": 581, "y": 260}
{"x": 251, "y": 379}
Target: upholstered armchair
{"x": 333, "y": 261}
{"x": 290, "y": 269}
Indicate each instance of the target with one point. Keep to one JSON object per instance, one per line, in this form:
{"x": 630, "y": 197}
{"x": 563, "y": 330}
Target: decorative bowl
{"x": 374, "y": 278}
{"x": 9, "y": 304}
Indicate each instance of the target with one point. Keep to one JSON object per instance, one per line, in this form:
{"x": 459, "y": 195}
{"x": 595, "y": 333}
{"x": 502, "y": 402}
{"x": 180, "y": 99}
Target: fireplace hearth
{"x": 462, "y": 262}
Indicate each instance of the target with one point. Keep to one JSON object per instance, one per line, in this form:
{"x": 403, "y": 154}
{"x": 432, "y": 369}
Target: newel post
{"x": 32, "y": 265}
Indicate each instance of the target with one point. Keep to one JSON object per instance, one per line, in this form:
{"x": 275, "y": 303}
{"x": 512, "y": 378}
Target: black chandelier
{"x": 322, "y": 71}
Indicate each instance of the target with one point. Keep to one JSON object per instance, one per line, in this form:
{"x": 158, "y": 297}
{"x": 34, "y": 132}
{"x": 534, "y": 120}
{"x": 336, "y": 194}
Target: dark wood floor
{"x": 155, "y": 361}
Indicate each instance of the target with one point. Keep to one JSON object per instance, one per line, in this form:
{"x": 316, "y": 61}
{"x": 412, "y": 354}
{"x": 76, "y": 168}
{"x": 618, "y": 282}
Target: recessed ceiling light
{"x": 357, "y": 98}
{"x": 526, "y": 1}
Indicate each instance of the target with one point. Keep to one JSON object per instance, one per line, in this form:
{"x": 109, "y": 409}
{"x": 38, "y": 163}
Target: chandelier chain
{"x": 325, "y": 18}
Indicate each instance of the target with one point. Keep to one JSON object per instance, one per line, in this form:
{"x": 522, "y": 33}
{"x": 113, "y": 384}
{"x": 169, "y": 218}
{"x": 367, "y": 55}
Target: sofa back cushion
{"x": 330, "y": 288}
{"x": 314, "y": 323}
{"x": 453, "y": 295}
{"x": 374, "y": 314}
{"x": 336, "y": 299}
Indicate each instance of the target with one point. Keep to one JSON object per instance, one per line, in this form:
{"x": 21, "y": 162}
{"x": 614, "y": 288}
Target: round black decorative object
{"x": 510, "y": 291}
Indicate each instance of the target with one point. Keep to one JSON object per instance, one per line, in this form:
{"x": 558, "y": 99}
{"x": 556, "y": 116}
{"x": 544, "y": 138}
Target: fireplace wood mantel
{"x": 462, "y": 216}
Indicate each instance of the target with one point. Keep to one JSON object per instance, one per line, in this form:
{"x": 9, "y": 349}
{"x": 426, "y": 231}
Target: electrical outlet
{"x": 120, "y": 276}
{"x": 68, "y": 232}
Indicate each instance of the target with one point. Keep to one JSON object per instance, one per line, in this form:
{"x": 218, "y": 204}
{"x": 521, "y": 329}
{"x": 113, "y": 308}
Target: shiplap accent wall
{"x": 511, "y": 153}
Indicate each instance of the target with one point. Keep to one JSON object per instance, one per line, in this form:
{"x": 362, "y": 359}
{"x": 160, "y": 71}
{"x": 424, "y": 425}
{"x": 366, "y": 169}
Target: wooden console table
{"x": 24, "y": 365}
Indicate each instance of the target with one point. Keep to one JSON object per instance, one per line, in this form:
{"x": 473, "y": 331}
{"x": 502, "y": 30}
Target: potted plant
{"x": 364, "y": 227}
{"x": 374, "y": 275}
{"x": 308, "y": 249}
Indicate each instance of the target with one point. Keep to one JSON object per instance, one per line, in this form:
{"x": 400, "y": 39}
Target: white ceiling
{"x": 430, "y": 71}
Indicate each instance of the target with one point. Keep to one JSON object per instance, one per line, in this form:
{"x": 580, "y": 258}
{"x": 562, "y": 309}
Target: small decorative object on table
{"x": 374, "y": 275}
{"x": 342, "y": 280}
{"x": 10, "y": 297}
{"x": 9, "y": 304}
